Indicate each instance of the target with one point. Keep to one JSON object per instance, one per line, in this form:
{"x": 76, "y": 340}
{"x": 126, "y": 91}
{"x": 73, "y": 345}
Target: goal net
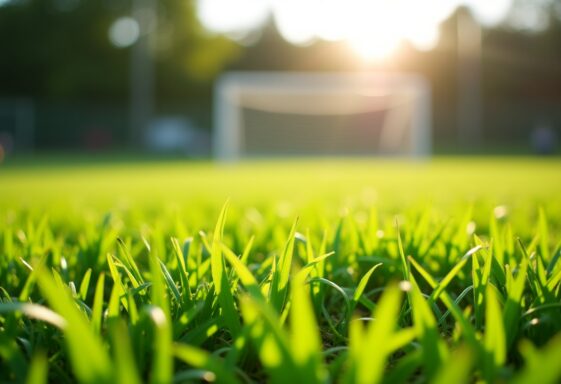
{"x": 267, "y": 114}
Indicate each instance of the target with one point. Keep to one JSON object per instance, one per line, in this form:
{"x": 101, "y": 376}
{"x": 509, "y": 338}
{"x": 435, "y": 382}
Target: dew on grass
{"x": 471, "y": 227}
{"x": 405, "y": 285}
{"x": 500, "y": 212}
{"x": 534, "y": 321}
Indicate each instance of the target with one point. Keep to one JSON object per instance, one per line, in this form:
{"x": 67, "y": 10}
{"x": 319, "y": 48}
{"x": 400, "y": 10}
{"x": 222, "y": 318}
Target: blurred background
{"x": 138, "y": 76}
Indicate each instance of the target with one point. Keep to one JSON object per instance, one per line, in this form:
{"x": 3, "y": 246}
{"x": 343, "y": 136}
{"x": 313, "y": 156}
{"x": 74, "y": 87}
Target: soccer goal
{"x": 268, "y": 114}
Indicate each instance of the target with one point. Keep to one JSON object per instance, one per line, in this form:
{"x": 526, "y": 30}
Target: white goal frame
{"x": 229, "y": 89}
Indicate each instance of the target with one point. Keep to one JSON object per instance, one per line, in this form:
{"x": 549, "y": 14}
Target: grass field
{"x": 352, "y": 271}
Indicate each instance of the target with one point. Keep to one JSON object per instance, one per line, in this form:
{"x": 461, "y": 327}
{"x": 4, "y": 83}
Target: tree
{"x": 59, "y": 49}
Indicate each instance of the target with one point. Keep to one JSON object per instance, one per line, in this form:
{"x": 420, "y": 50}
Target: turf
{"x": 358, "y": 271}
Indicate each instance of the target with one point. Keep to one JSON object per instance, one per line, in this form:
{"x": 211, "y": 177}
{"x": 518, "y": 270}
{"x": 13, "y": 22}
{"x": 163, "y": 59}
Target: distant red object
{"x": 97, "y": 139}
{"x": 6, "y": 145}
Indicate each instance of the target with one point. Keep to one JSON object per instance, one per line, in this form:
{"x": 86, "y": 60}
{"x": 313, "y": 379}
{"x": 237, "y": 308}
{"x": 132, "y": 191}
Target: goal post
{"x": 260, "y": 114}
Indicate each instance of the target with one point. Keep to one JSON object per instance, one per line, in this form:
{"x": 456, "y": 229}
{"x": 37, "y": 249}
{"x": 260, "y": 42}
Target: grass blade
{"x": 543, "y": 364}
{"x": 305, "y": 340}
{"x": 281, "y": 273}
{"x": 125, "y": 366}
{"x": 494, "y": 338}
{"x": 457, "y": 368}
{"x": 361, "y": 286}
{"x": 220, "y": 277}
{"x": 434, "y": 349}
{"x": 89, "y": 359}
{"x": 39, "y": 370}
{"x": 158, "y": 311}
{"x": 368, "y": 348}
{"x": 201, "y": 359}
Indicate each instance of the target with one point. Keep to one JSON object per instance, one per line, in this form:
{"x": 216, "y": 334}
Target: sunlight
{"x": 420, "y": 24}
{"x": 332, "y": 23}
{"x": 489, "y": 12}
{"x": 294, "y": 20}
{"x": 233, "y": 18}
{"x": 374, "y": 29}
{"x": 376, "y": 48}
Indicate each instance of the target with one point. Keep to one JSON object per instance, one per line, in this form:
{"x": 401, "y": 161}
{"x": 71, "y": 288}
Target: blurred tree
{"x": 57, "y": 51}
{"x": 187, "y": 54}
{"x": 60, "y": 49}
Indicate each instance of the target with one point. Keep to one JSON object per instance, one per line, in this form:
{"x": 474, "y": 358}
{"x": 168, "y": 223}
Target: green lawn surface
{"x": 302, "y": 270}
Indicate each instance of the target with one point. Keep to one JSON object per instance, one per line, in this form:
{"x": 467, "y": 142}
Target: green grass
{"x": 351, "y": 271}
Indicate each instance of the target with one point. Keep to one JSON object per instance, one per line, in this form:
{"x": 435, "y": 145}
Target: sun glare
{"x": 374, "y": 29}
{"x": 233, "y": 18}
{"x": 293, "y": 20}
{"x": 374, "y": 45}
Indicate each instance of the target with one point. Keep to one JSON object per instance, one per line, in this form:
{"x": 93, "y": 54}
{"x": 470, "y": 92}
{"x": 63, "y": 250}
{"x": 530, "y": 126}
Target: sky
{"x": 373, "y": 28}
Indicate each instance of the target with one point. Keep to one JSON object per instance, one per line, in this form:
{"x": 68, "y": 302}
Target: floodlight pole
{"x": 469, "y": 79}
{"x": 142, "y": 72}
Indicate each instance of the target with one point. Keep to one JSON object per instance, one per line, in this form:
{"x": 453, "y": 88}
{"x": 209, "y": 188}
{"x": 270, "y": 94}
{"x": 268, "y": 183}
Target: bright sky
{"x": 373, "y": 28}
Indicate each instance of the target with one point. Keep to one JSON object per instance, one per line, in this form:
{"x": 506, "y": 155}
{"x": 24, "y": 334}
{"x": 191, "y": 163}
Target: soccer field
{"x": 358, "y": 271}
{"x": 331, "y": 183}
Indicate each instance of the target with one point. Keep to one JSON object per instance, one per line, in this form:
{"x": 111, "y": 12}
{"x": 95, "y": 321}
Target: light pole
{"x": 142, "y": 72}
{"x": 469, "y": 79}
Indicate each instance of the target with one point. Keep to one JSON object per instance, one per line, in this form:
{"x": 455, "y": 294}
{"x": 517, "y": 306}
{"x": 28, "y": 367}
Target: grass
{"x": 352, "y": 271}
